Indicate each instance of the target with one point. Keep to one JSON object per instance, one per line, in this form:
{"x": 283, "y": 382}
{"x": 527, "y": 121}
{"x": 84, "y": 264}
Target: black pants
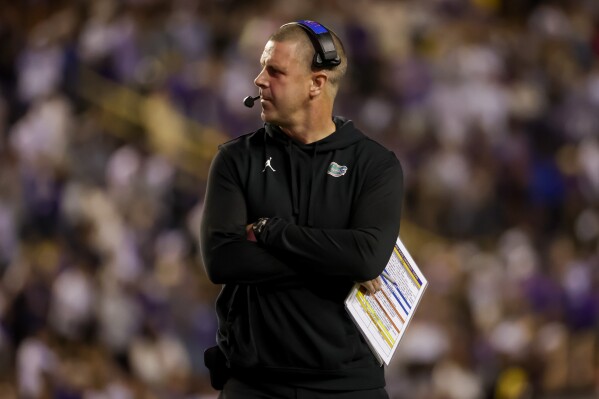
{"x": 235, "y": 389}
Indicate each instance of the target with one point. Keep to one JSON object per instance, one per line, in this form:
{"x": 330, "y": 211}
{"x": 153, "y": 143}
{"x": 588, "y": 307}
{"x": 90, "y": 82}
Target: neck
{"x": 316, "y": 125}
{"x": 309, "y": 135}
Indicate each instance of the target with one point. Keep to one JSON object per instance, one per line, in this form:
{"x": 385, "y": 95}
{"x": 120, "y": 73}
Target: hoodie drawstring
{"x": 294, "y": 183}
{"x": 292, "y": 168}
{"x": 312, "y": 177}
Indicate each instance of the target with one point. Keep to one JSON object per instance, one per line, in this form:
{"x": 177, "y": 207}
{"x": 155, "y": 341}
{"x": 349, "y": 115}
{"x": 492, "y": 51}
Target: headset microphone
{"x": 249, "y": 101}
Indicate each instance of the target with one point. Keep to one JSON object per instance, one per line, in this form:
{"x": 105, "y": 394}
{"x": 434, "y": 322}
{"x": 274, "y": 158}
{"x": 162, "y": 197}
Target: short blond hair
{"x": 295, "y": 33}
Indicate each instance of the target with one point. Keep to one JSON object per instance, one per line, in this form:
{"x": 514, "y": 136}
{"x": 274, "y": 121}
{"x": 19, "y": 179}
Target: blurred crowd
{"x": 110, "y": 111}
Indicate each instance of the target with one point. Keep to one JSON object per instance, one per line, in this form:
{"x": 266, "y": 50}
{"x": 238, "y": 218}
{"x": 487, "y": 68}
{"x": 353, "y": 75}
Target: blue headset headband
{"x": 326, "y": 56}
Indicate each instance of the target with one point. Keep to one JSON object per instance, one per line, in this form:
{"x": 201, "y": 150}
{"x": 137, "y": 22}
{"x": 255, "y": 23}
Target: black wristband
{"x": 259, "y": 226}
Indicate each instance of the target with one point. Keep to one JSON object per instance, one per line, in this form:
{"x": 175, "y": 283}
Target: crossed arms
{"x": 286, "y": 250}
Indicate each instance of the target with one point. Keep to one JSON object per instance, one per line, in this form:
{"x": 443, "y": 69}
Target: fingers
{"x": 372, "y": 286}
{"x": 378, "y": 284}
{"x": 249, "y": 233}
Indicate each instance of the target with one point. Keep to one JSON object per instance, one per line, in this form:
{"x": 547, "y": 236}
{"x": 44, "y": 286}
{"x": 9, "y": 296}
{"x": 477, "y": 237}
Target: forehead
{"x": 279, "y": 52}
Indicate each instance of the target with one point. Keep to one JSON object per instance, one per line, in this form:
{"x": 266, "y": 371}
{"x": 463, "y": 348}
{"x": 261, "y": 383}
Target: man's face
{"x": 284, "y": 83}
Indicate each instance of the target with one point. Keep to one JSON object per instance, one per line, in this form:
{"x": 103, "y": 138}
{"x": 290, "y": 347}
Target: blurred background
{"x": 111, "y": 110}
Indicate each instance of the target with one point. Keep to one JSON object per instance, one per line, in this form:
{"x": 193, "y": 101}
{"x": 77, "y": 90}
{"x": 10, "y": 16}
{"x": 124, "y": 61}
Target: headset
{"x": 326, "y": 56}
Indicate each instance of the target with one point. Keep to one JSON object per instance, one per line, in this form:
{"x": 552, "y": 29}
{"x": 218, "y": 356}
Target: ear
{"x": 319, "y": 80}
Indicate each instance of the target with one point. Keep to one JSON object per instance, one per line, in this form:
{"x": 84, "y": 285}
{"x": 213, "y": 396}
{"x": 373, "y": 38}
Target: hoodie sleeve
{"x": 227, "y": 255}
{"x": 359, "y": 252}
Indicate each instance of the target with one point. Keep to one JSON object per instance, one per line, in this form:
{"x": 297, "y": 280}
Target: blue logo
{"x": 336, "y": 170}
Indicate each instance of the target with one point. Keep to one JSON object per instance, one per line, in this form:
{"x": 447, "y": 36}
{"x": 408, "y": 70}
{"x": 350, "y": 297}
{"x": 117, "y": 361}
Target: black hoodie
{"x": 334, "y": 209}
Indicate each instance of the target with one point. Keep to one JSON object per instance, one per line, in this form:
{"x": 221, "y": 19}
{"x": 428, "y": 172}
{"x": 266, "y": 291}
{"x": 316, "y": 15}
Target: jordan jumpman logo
{"x": 268, "y": 165}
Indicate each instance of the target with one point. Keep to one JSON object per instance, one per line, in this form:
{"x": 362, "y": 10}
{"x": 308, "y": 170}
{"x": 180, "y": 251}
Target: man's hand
{"x": 249, "y": 233}
{"x": 372, "y": 286}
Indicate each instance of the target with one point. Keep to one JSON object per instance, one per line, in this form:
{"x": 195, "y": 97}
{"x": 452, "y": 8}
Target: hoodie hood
{"x": 345, "y": 135}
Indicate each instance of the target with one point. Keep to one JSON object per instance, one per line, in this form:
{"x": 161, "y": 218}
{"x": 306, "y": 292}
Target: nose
{"x": 260, "y": 80}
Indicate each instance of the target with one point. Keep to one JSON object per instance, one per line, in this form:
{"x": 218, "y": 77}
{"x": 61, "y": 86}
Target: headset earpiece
{"x": 326, "y": 56}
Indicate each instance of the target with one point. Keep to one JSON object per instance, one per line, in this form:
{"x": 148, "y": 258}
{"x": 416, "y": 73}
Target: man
{"x": 296, "y": 213}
